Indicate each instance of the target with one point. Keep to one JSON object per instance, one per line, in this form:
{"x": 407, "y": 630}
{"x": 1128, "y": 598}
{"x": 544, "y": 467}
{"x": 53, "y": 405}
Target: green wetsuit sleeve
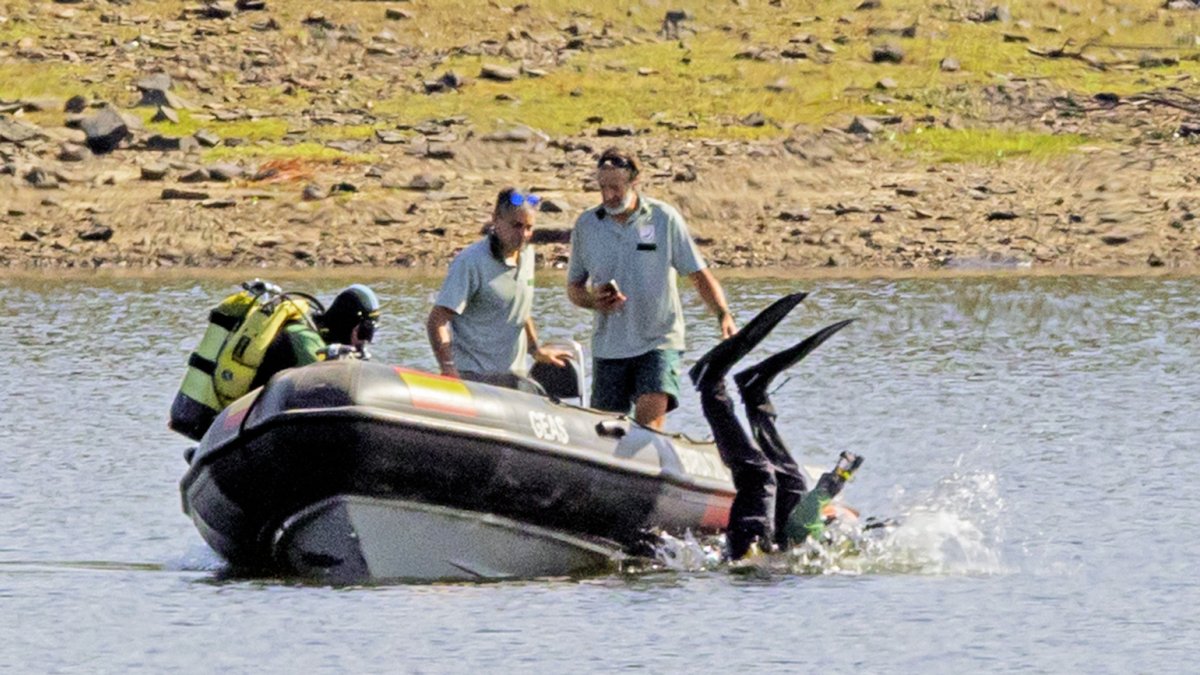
{"x": 306, "y": 343}
{"x": 296, "y": 345}
{"x": 806, "y": 519}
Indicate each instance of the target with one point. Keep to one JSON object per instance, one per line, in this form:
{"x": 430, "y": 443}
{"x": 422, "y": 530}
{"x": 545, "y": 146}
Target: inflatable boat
{"x": 350, "y": 471}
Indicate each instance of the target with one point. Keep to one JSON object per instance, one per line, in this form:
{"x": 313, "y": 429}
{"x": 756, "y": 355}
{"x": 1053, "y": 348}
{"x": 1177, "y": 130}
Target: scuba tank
{"x": 220, "y": 370}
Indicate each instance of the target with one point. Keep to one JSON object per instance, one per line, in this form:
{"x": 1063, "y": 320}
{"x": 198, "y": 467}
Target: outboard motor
{"x": 562, "y": 382}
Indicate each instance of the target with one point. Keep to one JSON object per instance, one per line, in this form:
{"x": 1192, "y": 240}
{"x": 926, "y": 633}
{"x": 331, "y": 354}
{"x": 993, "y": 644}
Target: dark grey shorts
{"x": 617, "y": 383}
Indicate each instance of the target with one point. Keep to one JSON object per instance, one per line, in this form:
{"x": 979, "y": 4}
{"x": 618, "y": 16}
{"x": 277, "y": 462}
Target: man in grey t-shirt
{"x": 481, "y": 326}
{"x": 625, "y": 257}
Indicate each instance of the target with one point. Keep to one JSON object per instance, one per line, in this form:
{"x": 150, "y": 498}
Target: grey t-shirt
{"x": 644, "y": 255}
{"x": 491, "y": 300}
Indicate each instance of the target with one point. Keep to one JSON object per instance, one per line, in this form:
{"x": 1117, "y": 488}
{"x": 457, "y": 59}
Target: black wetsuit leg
{"x": 753, "y": 384}
{"x": 755, "y": 468}
{"x": 752, "y": 513}
{"x": 786, "y": 473}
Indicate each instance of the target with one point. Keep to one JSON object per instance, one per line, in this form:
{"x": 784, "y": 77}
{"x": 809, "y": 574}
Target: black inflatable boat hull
{"x": 291, "y": 478}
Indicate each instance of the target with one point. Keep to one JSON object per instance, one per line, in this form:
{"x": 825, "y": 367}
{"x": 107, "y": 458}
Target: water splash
{"x": 956, "y": 528}
{"x": 687, "y": 554}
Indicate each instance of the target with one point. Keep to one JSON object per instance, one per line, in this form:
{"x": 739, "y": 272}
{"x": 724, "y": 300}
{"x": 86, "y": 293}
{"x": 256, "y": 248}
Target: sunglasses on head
{"x": 518, "y": 199}
{"x": 618, "y": 162}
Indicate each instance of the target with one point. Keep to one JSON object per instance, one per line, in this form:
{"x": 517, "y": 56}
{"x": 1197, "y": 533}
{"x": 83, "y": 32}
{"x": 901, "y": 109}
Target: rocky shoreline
{"x": 749, "y": 206}
{"x": 93, "y": 184}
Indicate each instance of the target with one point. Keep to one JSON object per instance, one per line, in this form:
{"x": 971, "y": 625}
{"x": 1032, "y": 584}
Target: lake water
{"x": 1038, "y": 436}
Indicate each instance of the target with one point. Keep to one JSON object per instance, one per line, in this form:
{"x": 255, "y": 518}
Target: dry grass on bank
{"x": 699, "y": 79}
{"x": 691, "y": 87}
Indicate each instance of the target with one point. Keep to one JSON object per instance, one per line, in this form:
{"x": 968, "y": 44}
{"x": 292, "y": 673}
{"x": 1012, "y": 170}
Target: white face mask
{"x": 629, "y": 202}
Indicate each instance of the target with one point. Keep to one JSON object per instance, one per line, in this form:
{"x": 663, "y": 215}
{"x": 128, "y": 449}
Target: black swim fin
{"x": 716, "y": 363}
{"x": 753, "y": 381}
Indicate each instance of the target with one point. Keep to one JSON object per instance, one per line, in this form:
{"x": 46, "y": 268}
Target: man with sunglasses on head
{"x": 625, "y": 257}
{"x": 481, "y": 325}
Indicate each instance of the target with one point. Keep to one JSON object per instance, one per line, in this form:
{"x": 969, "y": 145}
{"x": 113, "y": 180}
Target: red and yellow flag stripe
{"x": 438, "y": 393}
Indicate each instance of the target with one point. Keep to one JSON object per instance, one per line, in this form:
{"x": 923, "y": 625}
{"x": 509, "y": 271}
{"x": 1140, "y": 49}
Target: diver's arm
{"x": 438, "y": 329}
{"x": 807, "y": 519}
{"x": 307, "y": 344}
{"x": 714, "y": 296}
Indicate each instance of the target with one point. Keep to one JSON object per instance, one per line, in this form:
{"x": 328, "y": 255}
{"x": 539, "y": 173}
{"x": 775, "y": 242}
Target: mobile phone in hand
{"x": 610, "y": 288}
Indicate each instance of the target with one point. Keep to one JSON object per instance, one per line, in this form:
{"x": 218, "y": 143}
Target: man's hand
{"x": 728, "y": 327}
{"x": 607, "y": 301}
{"x": 555, "y": 357}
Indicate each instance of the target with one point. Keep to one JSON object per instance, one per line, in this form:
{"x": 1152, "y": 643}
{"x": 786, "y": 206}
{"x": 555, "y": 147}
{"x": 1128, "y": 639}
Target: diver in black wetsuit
{"x": 772, "y": 507}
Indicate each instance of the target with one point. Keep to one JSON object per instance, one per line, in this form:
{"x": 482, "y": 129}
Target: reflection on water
{"x": 1036, "y": 437}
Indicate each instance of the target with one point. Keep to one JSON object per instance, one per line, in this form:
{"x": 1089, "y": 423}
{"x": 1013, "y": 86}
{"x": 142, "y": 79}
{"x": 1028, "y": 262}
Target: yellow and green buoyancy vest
{"x": 220, "y": 371}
